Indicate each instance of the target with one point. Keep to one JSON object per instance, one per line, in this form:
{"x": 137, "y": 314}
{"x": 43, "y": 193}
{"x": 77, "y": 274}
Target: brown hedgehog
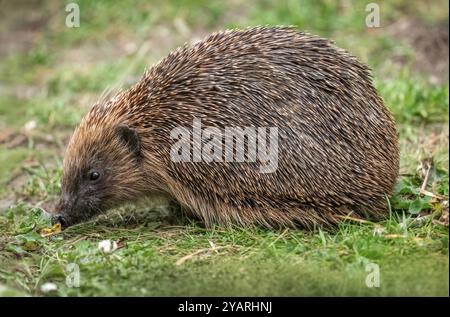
{"x": 337, "y": 149}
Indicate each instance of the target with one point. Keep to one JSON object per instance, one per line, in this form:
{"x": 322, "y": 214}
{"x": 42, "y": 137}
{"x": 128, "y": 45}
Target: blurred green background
{"x": 51, "y": 74}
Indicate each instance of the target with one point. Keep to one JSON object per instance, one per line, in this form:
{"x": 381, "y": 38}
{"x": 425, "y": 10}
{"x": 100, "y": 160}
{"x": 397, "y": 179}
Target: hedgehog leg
{"x": 174, "y": 214}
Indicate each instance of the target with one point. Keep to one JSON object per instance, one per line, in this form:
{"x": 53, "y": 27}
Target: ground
{"x": 50, "y": 75}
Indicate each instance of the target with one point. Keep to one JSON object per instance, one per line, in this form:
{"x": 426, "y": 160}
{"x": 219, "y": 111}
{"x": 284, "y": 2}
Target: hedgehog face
{"x": 101, "y": 170}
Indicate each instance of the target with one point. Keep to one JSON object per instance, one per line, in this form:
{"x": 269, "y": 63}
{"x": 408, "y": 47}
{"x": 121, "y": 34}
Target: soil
{"x": 430, "y": 44}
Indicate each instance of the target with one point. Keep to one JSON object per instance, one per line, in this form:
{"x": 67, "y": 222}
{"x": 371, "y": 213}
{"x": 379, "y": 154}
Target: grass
{"x": 54, "y": 81}
{"x": 251, "y": 262}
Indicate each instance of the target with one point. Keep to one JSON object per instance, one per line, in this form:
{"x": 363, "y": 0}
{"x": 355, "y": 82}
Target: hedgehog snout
{"x": 64, "y": 211}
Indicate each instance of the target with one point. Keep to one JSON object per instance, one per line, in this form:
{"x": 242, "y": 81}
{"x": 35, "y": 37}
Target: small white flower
{"x": 107, "y": 246}
{"x": 378, "y": 231}
{"x": 30, "y": 125}
{"x": 48, "y": 287}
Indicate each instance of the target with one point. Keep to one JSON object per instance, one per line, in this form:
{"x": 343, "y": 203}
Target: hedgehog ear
{"x": 130, "y": 138}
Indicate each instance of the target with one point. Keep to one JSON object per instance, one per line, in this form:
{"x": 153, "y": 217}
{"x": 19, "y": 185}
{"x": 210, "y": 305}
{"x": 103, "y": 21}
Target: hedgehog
{"x": 337, "y": 149}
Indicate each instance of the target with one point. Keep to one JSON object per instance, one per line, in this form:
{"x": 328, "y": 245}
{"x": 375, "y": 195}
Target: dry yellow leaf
{"x": 395, "y": 236}
{"x": 55, "y": 229}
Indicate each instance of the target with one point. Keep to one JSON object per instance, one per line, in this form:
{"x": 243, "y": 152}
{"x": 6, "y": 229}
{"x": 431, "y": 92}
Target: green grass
{"x": 10, "y": 161}
{"x": 412, "y": 101}
{"x": 254, "y": 262}
{"x": 65, "y": 70}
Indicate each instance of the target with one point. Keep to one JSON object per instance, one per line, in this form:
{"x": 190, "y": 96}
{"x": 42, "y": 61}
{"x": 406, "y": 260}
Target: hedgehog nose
{"x": 61, "y": 220}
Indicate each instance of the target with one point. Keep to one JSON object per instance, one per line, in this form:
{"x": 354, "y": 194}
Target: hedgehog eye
{"x": 94, "y": 175}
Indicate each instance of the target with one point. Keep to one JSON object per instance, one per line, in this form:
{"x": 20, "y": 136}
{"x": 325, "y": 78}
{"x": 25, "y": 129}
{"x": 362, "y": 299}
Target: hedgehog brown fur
{"x": 338, "y": 150}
